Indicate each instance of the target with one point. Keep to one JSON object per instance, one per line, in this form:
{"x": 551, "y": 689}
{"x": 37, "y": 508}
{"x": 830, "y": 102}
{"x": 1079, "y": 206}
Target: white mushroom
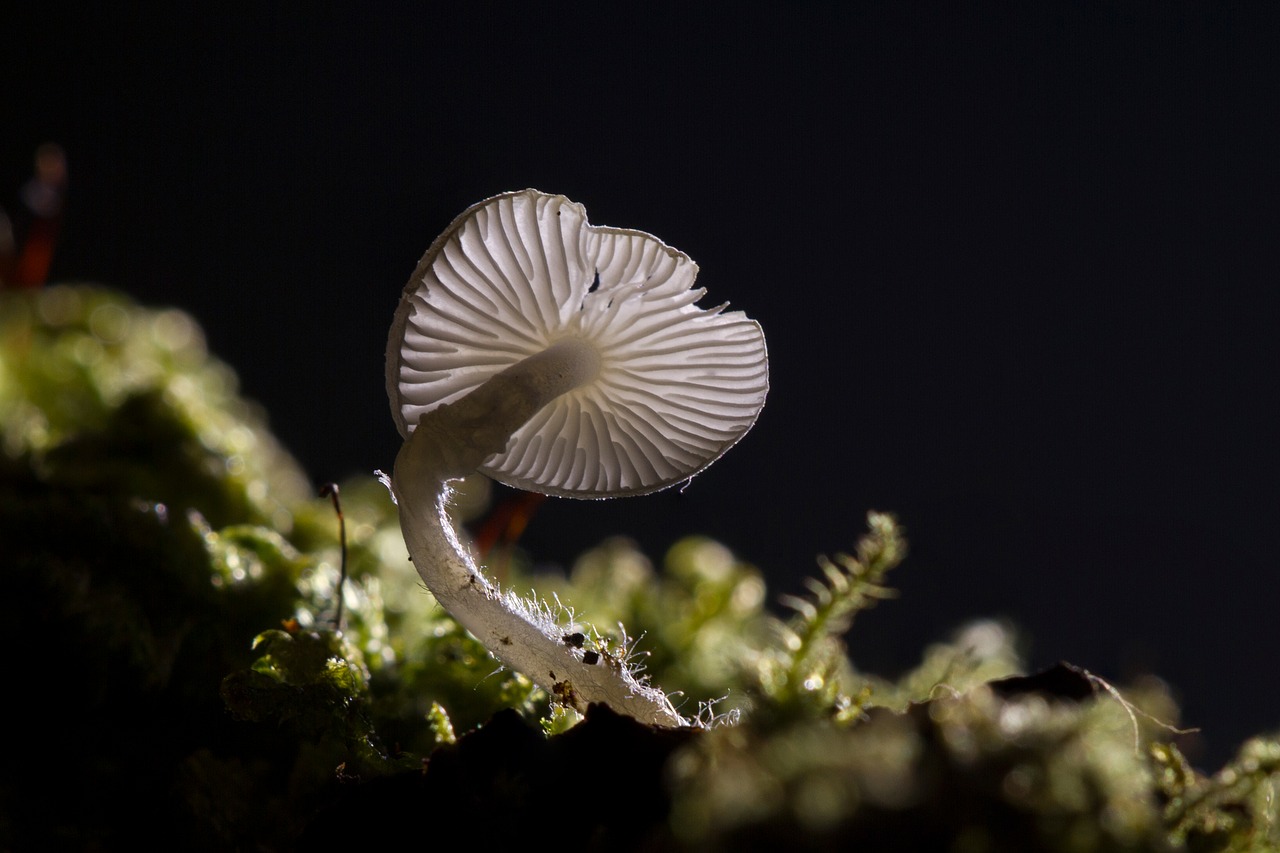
{"x": 563, "y": 358}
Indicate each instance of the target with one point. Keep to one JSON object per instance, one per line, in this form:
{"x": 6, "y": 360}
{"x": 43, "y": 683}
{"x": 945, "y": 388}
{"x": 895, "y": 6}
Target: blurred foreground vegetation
{"x": 180, "y": 677}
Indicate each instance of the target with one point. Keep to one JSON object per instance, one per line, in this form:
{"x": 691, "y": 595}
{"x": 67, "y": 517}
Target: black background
{"x": 1015, "y": 263}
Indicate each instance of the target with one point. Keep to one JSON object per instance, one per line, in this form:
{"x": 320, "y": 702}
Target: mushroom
{"x": 563, "y": 358}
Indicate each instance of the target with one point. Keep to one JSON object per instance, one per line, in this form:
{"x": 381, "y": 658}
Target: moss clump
{"x": 124, "y": 449}
{"x": 969, "y": 770}
{"x": 169, "y": 582}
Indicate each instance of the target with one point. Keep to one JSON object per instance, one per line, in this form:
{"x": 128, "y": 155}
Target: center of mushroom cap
{"x": 567, "y": 364}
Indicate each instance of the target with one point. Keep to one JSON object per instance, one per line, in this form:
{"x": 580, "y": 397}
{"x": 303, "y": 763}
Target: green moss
{"x": 123, "y": 443}
{"x": 1233, "y": 810}
{"x": 169, "y": 586}
{"x": 103, "y": 396}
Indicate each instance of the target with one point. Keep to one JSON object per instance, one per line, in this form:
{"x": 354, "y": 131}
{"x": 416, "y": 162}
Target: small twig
{"x": 1134, "y": 712}
{"x": 330, "y": 490}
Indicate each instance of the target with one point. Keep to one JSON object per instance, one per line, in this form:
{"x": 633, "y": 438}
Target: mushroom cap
{"x": 678, "y": 385}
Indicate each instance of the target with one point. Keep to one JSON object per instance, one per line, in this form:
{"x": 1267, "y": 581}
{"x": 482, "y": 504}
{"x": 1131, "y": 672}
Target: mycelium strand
{"x": 452, "y": 441}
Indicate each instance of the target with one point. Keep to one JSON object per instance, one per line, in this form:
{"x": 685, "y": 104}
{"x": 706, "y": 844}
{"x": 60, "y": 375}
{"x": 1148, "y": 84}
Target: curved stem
{"x": 451, "y": 442}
